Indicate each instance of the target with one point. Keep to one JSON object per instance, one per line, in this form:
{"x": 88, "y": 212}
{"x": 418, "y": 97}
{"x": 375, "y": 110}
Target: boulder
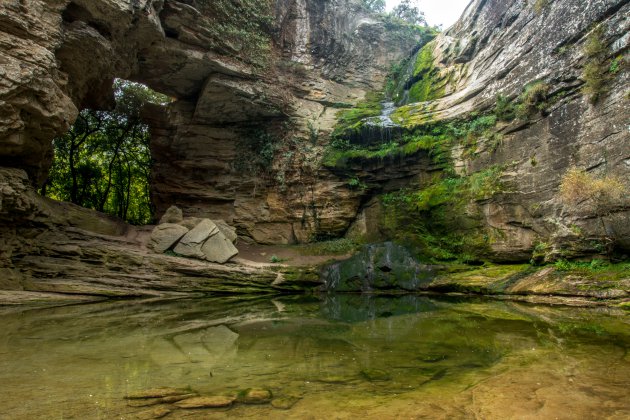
{"x": 206, "y": 241}
{"x": 164, "y": 236}
{"x": 190, "y": 222}
{"x": 227, "y": 230}
{"x": 172, "y": 215}
{"x": 190, "y": 244}
{"x": 218, "y": 249}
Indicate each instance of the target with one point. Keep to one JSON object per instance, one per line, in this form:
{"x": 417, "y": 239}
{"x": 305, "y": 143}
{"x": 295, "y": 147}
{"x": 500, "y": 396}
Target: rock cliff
{"x": 256, "y": 86}
{"x": 534, "y": 58}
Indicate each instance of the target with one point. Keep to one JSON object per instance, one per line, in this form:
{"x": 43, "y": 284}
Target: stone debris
{"x": 166, "y": 235}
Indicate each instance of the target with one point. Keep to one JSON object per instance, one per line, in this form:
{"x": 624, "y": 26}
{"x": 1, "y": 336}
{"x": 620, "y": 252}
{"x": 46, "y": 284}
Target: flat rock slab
{"x": 216, "y": 401}
{"x": 227, "y": 230}
{"x": 164, "y": 236}
{"x": 218, "y": 249}
{"x": 190, "y": 244}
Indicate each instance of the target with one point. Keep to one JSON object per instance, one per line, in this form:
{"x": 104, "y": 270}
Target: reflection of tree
{"x": 104, "y": 161}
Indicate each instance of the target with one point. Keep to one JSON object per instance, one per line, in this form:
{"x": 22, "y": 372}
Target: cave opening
{"x": 104, "y": 161}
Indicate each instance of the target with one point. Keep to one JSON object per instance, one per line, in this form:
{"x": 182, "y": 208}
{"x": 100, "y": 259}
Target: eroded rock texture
{"x": 500, "y": 47}
{"x": 244, "y": 74}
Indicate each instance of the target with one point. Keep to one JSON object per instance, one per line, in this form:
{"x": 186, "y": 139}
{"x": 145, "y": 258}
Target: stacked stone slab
{"x": 205, "y": 240}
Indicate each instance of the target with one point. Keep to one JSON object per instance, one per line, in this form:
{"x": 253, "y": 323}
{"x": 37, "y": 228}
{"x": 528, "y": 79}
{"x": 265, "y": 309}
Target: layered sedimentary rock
{"x": 242, "y": 73}
{"x": 497, "y": 51}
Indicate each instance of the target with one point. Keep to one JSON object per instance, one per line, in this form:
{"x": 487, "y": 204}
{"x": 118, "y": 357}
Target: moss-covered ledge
{"x": 610, "y": 286}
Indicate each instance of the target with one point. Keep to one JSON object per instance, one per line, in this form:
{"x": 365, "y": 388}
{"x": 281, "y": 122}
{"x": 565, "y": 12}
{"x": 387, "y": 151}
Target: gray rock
{"x": 172, "y": 215}
{"x": 227, "y": 230}
{"x": 218, "y": 249}
{"x": 190, "y": 222}
{"x": 164, "y": 236}
{"x": 190, "y": 245}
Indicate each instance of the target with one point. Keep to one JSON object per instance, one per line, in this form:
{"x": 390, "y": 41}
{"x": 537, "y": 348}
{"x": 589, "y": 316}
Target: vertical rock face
{"x": 499, "y": 48}
{"x": 268, "y": 74}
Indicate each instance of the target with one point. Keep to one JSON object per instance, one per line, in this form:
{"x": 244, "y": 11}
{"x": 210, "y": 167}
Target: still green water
{"x": 338, "y": 357}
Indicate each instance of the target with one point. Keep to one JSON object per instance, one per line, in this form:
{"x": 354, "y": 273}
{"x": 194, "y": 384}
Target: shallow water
{"x": 340, "y": 357}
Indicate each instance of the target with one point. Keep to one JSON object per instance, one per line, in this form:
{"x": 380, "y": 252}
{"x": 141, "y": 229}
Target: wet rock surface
{"x": 385, "y": 266}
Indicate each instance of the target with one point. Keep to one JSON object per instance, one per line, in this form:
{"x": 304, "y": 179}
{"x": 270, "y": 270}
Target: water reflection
{"x": 348, "y": 355}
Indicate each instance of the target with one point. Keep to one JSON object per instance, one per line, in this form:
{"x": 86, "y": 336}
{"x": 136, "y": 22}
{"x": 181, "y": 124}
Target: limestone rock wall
{"x": 233, "y": 71}
{"x": 498, "y": 48}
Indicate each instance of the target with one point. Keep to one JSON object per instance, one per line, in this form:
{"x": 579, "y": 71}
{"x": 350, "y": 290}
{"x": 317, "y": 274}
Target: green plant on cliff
{"x": 598, "y": 196}
{"x": 425, "y": 74}
{"x": 434, "y": 219}
{"x": 104, "y": 161}
{"x": 595, "y": 72}
{"x": 241, "y": 28}
{"x": 534, "y": 99}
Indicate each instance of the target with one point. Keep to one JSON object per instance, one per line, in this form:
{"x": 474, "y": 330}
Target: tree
{"x": 409, "y": 12}
{"x": 376, "y": 6}
{"x": 104, "y": 161}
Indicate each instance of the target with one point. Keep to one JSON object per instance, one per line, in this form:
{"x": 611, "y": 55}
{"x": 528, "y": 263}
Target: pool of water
{"x": 335, "y": 357}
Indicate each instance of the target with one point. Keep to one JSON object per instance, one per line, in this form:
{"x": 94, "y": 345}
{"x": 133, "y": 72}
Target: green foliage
{"x": 433, "y": 218}
{"x": 104, "y": 161}
{"x": 241, "y": 28}
{"x": 407, "y": 11}
{"x": 375, "y": 6}
{"x": 331, "y": 247}
{"x": 356, "y": 184}
{"x": 257, "y": 150}
{"x": 426, "y": 87}
{"x": 275, "y": 259}
{"x": 595, "y": 72}
{"x": 616, "y": 65}
{"x": 504, "y": 109}
{"x": 533, "y": 100}
{"x": 595, "y": 265}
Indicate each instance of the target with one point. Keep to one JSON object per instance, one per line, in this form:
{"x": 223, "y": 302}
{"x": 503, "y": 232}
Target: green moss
{"x": 350, "y": 121}
{"x": 534, "y": 99}
{"x": 434, "y": 219}
{"x": 601, "y": 270}
{"x": 331, "y": 247}
{"x": 595, "y": 72}
{"x": 435, "y": 146}
{"x": 428, "y": 86}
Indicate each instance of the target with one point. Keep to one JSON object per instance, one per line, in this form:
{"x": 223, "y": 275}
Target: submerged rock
{"x": 156, "y": 393}
{"x": 214, "y": 401}
{"x": 156, "y": 413}
{"x": 164, "y": 236}
{"x": 284, "y": 403}
{"x": 385, "y": 266}
{"x": 254, "y": 396}
{"x": 376, "y": 375}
